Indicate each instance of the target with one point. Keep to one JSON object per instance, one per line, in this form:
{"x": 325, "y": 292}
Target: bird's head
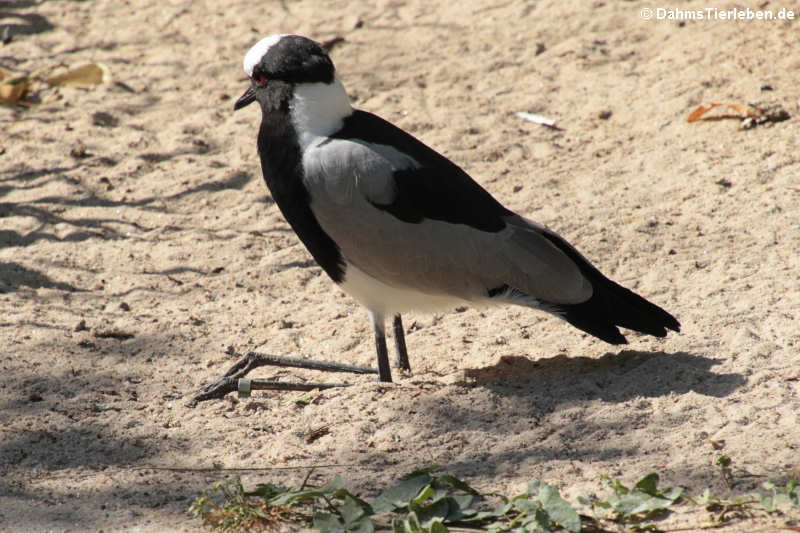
{"x": 295, "y": 75}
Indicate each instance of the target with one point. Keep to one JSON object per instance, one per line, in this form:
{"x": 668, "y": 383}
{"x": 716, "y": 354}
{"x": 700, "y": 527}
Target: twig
{"x": 305, "y": 480}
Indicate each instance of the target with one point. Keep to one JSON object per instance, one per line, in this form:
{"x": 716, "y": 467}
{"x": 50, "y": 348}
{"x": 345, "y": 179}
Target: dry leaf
{"x": 742, "y": 111}
{"x": 12, "y": 90}
{"x": 84, "y": 76}
{"x": 767, "y": 112}
{"x": 751, "y": 115}
{"x": 315, "y": 434}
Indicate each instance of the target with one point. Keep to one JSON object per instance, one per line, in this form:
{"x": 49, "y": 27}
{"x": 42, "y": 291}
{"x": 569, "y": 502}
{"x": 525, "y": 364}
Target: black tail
{"x": 611, "y": 305}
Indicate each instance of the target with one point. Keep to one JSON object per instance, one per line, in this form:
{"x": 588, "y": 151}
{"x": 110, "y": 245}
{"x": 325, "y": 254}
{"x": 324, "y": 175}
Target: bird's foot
{"x": 234, "y": 379}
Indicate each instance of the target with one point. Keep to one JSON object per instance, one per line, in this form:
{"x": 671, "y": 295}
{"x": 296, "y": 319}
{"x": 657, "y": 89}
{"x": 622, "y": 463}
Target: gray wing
{"x": 351, "y": 183}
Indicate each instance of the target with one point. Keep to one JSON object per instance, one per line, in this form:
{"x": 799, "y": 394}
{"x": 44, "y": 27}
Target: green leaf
{"x": 400, "y": 495}
{"x": 525, "y": 506}
{"x": 354, "y": 518}
{"x": 423, "y": 495}
{"x": 647, "y": 503}
{"x": 327, "y": 523}
{"x": 438, "y": 511}
{"x": 560, "y": 511}
{"x": 439, "y": 493}
{"x": 743, "y": 498}
{"x": 456, "y": 484}
{"x": 773, "y": 502}
{"x": 343, "y": 494}
{"x": 426, "y": 470}
{"x": 793, "y": 489}
{"x": 266, "y": 491}
{"x": 648, "y": 484}
{"x": 498, "y": 512}
{"x": 768, "y": 502}
{"x": 398, "y": 525}
{"x": 290, "y": 497}
{"x": 434, "y": 523}
{"x": 438, "y": 527}
{"x": 537, "y": 522}
{"x": 705, "y": 498}
{"x": 645, "y": 497}
{"x": 460, "y": 508}
{"x": 362, "y": 525}
{"x": 497, "y": 527}
{"x": 780, "y": 499}
{"x": 615, "y": 485}
{"x": 632, "y": 503}
{"x": 352, "y": 510}
{"x": 672, "y": 494}
{"x": 406, "y": 524}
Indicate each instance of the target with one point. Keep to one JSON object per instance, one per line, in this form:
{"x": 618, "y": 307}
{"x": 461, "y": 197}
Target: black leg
{"x": 384, "y": 372}
{"x": 235, "y": 375}
{"x": 400, "y": 344}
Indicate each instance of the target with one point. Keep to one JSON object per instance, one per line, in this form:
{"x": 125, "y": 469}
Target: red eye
{"x": 260, "y": 80}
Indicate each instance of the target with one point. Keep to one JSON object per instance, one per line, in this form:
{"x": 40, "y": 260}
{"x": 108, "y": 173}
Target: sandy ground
{"x": 164, "y": 237}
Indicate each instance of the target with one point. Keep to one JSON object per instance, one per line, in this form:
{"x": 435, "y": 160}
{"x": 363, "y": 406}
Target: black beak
{"x": 246, "y": 99}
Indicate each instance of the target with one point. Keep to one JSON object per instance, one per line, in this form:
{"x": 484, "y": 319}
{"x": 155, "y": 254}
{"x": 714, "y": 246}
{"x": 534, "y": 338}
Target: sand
{"x": 140, "y": 251}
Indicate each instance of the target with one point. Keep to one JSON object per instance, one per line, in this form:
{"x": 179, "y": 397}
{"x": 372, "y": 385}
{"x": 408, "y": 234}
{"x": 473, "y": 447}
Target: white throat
{"x": 318, "y": 110}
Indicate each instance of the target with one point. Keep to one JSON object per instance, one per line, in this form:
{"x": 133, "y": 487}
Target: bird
{"x": 400, "y": 227}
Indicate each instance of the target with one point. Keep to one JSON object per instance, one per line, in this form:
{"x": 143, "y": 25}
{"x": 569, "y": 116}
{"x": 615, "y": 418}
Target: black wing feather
{"x": 438, "y": 189}
{"x": 611, "y": 305}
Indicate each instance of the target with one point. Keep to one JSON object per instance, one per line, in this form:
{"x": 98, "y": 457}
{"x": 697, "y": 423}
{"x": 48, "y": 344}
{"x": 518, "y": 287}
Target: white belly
{"x": 387, "y": 301}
